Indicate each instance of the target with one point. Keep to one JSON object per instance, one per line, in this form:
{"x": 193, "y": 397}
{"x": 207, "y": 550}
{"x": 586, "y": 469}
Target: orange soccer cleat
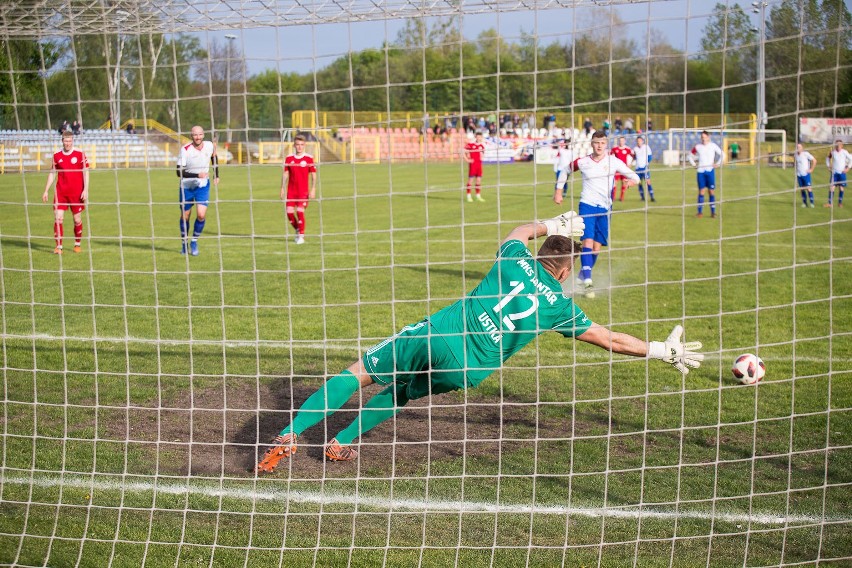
{"x": 57, "y": 250}
{"x": 335, "y": 452}
{"x": 284, "y": 447}
{"x": 78, "y": 248}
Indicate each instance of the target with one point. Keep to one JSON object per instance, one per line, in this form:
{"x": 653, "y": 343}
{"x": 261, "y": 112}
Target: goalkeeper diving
{"x": 459, "y": 346}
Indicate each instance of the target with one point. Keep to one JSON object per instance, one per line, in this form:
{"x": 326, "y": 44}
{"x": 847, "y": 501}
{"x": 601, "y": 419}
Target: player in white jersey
{"x": 805, "y": 163}
{"x": 193, "y": 169}
{"x": 707, "y": 153}
{"x": 838, "y": 161}
{"x": 564, "y": 157}
{"x": 643, "y": 161}
{"x": 598, "y": 170}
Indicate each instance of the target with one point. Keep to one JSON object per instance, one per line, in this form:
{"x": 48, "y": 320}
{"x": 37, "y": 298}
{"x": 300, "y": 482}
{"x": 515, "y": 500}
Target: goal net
{"x": 141, "y": 386}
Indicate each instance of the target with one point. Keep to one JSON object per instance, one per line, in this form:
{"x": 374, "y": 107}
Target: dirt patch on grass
{"x": 217, "y": 431}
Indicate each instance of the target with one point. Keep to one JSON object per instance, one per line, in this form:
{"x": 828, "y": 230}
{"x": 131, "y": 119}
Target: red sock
{"x": 78, "y": 233}
{"x": 623, "y": 187}
{"x": 57, "y": 233}
{"x": 293, "y": 221}
{"x": 301, "y": 215}
{"x": 478, "y": 189}
{"x": 468, "y": 188}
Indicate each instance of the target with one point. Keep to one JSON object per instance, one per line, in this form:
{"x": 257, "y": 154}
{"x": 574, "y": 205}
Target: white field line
{"x": 353, "y": 345}
{"x": 363, "y": 501}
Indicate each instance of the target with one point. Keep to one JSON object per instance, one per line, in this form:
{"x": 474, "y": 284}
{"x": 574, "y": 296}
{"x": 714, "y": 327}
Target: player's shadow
{"x": 27, "y": 244}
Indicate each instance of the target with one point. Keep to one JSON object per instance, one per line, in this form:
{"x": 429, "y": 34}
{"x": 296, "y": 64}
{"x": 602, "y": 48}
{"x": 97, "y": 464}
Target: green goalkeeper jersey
{"x": 514, "y": 303}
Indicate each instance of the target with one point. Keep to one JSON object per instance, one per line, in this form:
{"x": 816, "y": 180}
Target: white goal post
{"x": 752, "y": 151}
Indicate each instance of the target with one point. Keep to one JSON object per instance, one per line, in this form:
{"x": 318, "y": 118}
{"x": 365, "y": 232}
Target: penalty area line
{"x": 366, "y": 342}
{"x": 437, "y": 506}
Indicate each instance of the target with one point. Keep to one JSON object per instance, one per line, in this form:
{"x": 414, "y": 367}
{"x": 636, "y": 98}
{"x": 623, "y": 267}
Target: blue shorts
{"x": 804, "y": 181}
{"x": 707, "y": 179}
{"x": 838, "y": 179}
{"x": 643, "y": 173}
{"x": 597, "y": 223}
{"x": 194, "y": 196}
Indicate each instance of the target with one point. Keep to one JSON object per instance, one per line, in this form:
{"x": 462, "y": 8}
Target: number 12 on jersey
{"x": 509, "y": 319}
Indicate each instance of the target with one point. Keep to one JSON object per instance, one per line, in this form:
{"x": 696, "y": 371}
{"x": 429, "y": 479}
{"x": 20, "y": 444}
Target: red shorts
{"x": 297, "y": 199}
{"x": 65, "y": 201}
{"x": 475, "y": 170}
{"x": 619, "y": 177}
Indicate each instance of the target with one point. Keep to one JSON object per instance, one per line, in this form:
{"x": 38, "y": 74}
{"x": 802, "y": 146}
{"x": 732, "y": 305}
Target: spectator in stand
{"x": 628, "y": 125}
{"x": 516, "y": 120}
{"x": 587, "y": 126}
{"x": 76, "y": 127}
{"x": 618, "y": 125}
{"x": 649, "y": 125}
{"x": 63, "y": 128}
{"x": 110, "y": 123}
{"x": 130, "y": 128}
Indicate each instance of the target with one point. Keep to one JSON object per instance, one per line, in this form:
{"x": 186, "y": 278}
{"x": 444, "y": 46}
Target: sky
{"x": 302, "y": 49}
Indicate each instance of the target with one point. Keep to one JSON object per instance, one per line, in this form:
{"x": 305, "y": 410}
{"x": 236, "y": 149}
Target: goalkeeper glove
{"x": 681, "y": 356}
{"x": 567, "y": 225}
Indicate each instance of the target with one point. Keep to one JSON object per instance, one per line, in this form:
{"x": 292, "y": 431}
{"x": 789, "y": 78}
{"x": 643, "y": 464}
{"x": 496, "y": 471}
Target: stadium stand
{"x": 24, "y": 150}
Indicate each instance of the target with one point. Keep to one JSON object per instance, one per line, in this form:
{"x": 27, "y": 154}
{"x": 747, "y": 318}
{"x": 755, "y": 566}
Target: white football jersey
{"x": 706, "y": 156}
{"x": 598, "y": 178}
{"x": 564, "y": 157}
{"x": 643, "y": 156}
{"x": 803, "y": 162}
{"x": 839, "y": 160}
{"x": 196, "y": 160}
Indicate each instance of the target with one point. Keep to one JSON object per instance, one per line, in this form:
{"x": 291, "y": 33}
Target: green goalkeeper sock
{"x": 377, "y": 410}
{"x": 324, "y": 402}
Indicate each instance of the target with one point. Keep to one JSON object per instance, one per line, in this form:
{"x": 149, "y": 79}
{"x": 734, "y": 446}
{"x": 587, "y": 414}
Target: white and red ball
{"x": 748, "y": 369}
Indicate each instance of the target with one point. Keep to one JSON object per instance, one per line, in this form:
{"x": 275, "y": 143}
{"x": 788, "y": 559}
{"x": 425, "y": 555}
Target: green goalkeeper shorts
{"x": 418, "y": 358}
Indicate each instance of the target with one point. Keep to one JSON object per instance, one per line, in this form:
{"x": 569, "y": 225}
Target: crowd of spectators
{"x": 513, "y": 124}
{"x": 507, "y": 124}
{"x": 75, "y": 127}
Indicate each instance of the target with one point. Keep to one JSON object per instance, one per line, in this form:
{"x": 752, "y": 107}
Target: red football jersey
{"x": 622, "y": 153}
{"x": 299, "y": 168}
{"x": 69, "y": 171}
{"x": 475, "y": 150}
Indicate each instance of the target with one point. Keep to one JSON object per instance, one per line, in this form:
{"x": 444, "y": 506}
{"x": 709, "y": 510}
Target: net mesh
{"x": 141, "y": 386}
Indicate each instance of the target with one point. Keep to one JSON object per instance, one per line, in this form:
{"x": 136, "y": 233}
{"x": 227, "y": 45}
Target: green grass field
{"x": 138, "y": 382}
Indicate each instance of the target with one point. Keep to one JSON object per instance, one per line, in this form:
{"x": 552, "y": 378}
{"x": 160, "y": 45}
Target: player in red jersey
{"x": 473, "y": 152}
{"x": 298, "y": 185}
{"x": 71, "y": 172}
{"x": 623, "y": 153}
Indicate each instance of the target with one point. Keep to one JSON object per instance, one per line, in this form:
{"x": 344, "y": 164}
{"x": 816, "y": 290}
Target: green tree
{"x": 24, "y": 66}
{"x": 807, "y": 61}
{"x": 730, "y": 45}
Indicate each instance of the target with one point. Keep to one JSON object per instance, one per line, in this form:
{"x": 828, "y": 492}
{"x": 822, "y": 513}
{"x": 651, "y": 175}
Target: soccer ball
{"x": 748, "y": 369}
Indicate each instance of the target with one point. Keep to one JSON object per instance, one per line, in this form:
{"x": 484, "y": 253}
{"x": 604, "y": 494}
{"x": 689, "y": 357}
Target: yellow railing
{"x": 275, "y": 152}
{"x": 150, "y": 124}
{"x": 311, "y": 120}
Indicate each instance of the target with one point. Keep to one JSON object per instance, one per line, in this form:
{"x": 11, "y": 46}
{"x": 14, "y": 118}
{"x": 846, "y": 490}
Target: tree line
{"x": 176, "y": 81}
